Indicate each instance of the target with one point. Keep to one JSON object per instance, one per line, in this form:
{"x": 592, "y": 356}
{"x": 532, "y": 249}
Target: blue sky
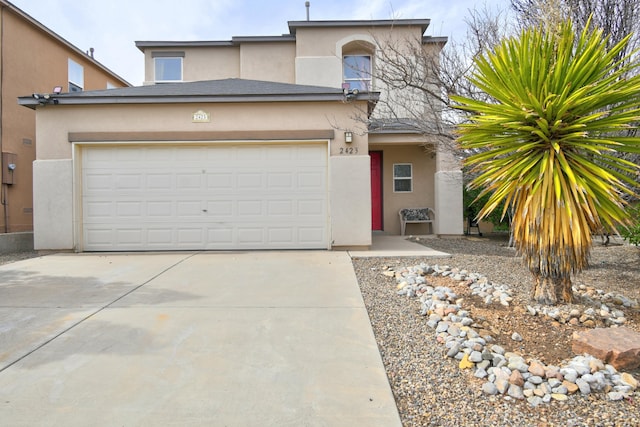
{"x": 112, "y": 27}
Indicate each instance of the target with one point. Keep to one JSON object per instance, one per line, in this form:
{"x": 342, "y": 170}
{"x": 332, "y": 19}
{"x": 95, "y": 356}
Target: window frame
{"x": 403, "y": 178}
{"x": 363, "y": 83}
{"x": 164, "y": 56}
{"x": 75, "y": 80}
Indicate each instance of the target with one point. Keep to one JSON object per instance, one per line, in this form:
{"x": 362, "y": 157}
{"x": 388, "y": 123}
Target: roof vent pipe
{"x": 307, "y": 5}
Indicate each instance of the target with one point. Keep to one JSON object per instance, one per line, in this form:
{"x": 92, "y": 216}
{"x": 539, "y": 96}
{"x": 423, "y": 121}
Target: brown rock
{"x": 536, "y": 369}
{"x": 571, "y": 387}
{"x": 516, "y": 378}
{"x": 596, "y": 365}
{"x": 629, "y": 379}
{"x": 619, "y": 347}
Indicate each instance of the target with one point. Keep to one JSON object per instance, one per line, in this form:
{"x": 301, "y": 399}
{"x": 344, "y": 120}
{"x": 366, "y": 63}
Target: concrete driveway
{"x": 216, "y": 339}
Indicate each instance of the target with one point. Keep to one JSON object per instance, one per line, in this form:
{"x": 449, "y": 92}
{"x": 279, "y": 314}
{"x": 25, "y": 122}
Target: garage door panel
{"x": 281, "y": 235}
{"x": 159, "y": 181}
{"x": 280, "y": 208}
{"x": 129, "y": 209}
{"x": 159, "y": 209}
{"x": 219, "y": 208}
{"x": 220, "y": 237}
{"x": 220, "y": 181}
{"x": 93, "y": 182}
{"x": 250, "y": 235}
{"x": 160, "y": 236}
{"x": 99, "y": 210}
{"x": 281, "y": 180}
{"x": 130, "y": 237}
{"x": 311, "y": 180}
{"x": 206, "y": 197}
{"x": 190, "y": 235}
{"x": 189, "y": 208}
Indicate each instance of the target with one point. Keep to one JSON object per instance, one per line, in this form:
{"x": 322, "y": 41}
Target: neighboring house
{"x": 33, "y": 59}
{"x": 252, "y": 143}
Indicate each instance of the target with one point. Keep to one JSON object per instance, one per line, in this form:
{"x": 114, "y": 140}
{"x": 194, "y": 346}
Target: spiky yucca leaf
{"x": 546, "y": 144}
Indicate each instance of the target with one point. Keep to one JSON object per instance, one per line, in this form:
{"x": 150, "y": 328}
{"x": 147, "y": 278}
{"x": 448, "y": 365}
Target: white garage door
{"x": 161, "y": 197}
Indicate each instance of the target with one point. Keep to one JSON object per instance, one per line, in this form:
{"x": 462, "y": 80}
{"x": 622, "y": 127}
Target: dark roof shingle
{"x": 226, "y": 90}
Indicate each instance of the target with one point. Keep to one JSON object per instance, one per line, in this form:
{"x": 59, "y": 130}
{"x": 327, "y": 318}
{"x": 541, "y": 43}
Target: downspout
{"x": 5, "y": 187}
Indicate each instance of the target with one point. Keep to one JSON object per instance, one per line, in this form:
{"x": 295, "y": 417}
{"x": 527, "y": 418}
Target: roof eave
{"x": 435, "y": 40}
{"x": 32, "y": 103}
{"x": 422, "y": 23}
{"x": 142, "y": 45}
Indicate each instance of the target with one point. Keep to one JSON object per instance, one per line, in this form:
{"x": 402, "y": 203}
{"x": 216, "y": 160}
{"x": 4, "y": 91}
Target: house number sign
{"x": 200, "y": 117}
{"x": 348, "y": 150}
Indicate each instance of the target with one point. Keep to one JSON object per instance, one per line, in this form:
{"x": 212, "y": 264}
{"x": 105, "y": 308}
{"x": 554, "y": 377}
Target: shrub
{"x": 631, "y": 233}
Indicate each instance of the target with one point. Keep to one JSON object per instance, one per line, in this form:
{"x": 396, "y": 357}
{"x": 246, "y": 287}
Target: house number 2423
{"x": 348, "y": 150}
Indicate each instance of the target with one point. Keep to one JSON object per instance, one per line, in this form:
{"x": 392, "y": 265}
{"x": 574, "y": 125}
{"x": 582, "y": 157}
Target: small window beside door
{"x": 402, "y": 178}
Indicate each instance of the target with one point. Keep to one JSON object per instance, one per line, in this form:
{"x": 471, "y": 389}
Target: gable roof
{"x": 38, "y": 25}
{"x": 226, "y": 90}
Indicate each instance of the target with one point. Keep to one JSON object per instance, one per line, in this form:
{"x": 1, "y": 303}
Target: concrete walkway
{"x": 397, "y": 246}
{"x": 215, "y": 339}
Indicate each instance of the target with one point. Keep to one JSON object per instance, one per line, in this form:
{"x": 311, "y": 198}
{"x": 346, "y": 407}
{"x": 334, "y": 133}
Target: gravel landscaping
{"x": 429, "y": 387}
{"x": 431, "y": 390}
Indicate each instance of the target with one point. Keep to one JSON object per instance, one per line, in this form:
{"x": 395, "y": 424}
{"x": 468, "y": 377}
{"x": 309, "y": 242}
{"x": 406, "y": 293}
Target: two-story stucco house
{"x": 33, "y": 59}
{"x": 250, "y": 143}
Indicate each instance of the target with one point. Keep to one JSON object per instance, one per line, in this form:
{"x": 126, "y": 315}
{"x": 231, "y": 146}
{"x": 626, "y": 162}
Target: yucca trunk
{"x": 552, "y": 290}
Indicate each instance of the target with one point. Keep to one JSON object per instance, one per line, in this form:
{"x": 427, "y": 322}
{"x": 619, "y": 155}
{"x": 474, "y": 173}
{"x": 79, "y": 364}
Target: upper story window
{"x": 167, "y": 66}
{"x": 111, "y": 85}
{"x": 76, "y": 77}
{"x": 357, "y": 71}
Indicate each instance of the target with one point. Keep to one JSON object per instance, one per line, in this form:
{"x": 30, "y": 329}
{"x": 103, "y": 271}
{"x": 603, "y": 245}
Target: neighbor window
{"x": 402, "y": 178}
{"x": 167, "y": 66}
{"x": 76, "y": 77}
{"x": 357, "y": 71}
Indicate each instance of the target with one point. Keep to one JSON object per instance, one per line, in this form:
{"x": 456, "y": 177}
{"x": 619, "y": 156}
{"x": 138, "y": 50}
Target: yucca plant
{"x": 546, "y": 145}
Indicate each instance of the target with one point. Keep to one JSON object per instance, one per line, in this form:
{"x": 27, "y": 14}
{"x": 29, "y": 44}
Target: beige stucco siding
{"x": 55, "y": 123}
{"x": 199, "y": 63}
{"x": 274, "y": 62}
{"x": 323, "y": 41}
{"x": 348, "y": 174}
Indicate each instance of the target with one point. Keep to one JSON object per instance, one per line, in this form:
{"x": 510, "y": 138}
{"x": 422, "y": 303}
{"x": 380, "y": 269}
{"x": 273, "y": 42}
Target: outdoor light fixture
{"x": 47, "y": 98}
{"x": 348, "y": 137}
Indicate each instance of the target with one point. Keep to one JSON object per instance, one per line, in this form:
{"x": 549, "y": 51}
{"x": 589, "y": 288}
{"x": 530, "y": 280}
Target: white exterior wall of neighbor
{"x": 57, "y": 173}
{"x": 448, "y": 195}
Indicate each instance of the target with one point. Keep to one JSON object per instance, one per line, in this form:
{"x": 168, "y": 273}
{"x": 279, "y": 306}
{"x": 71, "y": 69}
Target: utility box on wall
{"x": 8, "y": 166}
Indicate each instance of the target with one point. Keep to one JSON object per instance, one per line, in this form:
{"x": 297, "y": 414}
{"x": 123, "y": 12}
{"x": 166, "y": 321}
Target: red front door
{"x": 376, "y": 190}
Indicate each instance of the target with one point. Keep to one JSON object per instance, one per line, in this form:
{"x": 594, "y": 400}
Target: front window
{"x": 357, "y": 71}
{"x": 402, "y": 178}
{"x": 76, "y": 77}
{"x": 168, "y": 69}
